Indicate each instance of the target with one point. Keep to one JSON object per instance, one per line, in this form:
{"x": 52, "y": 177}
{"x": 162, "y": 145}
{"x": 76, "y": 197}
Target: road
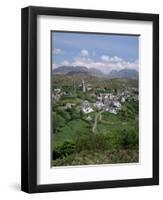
{"x": 98, "y": 116}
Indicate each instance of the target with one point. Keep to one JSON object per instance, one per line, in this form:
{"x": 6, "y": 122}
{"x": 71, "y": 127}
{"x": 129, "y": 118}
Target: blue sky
{"x": 103, "y": 51}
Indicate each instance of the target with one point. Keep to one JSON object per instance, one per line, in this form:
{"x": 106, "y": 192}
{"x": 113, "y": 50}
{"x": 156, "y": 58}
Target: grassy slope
{"x": 71, "y": 131}
{"x": 110, "y": 125}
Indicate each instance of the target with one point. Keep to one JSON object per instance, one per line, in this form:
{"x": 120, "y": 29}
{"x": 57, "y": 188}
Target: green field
{"x": 71, "y": 132}
{"x": 115, "y": 138}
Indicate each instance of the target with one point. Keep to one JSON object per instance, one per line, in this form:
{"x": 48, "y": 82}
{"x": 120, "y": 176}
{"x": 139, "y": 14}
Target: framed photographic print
{"x": 90, "y": 99}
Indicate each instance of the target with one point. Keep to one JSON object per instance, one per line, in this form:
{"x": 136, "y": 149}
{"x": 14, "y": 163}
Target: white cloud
{"x": 111, "y": 59}
{"x": 106, "y": 64}
{"x": 65, "y": 62}
{"x": 84, "y": 52}
{"x": 105, "y": 58}
{"x": 116, "y": 59}
{"x": 54, "y": 66}
{"x": 57, "y": 51}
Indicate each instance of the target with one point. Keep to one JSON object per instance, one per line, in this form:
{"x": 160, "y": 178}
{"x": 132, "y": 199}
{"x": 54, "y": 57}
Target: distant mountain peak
{"x": 124, "y": 73}
{"x": 68, "y": 70}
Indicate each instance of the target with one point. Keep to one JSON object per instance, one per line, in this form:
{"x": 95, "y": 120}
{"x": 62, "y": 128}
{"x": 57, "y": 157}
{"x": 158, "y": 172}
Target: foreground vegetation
{"x": 98, "y": 157}
{"x": 115, "y": 139}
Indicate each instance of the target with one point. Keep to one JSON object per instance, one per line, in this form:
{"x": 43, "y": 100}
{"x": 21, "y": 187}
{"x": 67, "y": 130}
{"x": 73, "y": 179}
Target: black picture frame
{"x": 29, "y": 99}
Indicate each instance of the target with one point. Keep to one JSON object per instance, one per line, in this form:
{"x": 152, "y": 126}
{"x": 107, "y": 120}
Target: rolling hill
{"x": 82, "y": 70}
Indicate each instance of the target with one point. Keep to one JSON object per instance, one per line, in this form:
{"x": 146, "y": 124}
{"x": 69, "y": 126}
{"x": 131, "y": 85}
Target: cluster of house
{"x": 111, "y": 106}
{"x": 109, "y": 102}
{"x": 57, "y": 93}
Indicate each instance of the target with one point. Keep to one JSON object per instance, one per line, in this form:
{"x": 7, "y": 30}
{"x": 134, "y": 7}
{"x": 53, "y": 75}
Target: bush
{"x": 127, "y": 138}
{"x": 102, "y": 157}
{"x": 65, "y": 115}
{"x": 92, "y": 142}
{"x": 129, "y": 110}
{"x": 64, "y": 150}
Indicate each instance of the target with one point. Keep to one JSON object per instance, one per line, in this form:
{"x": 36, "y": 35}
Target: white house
{"x": 113, "y": 110}
{"x": 86, "y": 107}
{"x": 116, "y": 104}
{"x": 57, "y": 90}
{"x": 122, "y": 100}
{"x": 98, "y": 105}
{"x": 87, "y": 110}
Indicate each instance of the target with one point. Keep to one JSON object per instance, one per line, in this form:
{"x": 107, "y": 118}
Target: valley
{"x": 94, "y": 118}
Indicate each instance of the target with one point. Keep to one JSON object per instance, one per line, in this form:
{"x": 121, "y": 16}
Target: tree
{"x": 65, "y": 115}
{"x": 58, "y": 121}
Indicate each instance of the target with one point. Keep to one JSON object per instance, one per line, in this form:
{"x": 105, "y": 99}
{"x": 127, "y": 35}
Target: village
{"x": 105, "y": 101}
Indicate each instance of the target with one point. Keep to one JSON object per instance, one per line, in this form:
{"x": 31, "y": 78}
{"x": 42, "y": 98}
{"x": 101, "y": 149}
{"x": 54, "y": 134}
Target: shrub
{"x": 129, "y": 110}
{"x": 128, "y": 138}
{"x": 64, "y": 150}
{"x": 92, "y": 142}
{"x": 65, "y": 115}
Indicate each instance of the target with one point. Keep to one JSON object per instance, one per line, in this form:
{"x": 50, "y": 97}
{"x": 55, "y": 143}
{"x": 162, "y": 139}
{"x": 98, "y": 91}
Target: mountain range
{"x": 70, "y": 70}
{"x": 78, "y": 70}
{"x": 124, "y": 73}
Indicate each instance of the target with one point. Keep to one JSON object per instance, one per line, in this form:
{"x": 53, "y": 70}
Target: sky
{"x": 105, "y": 52}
